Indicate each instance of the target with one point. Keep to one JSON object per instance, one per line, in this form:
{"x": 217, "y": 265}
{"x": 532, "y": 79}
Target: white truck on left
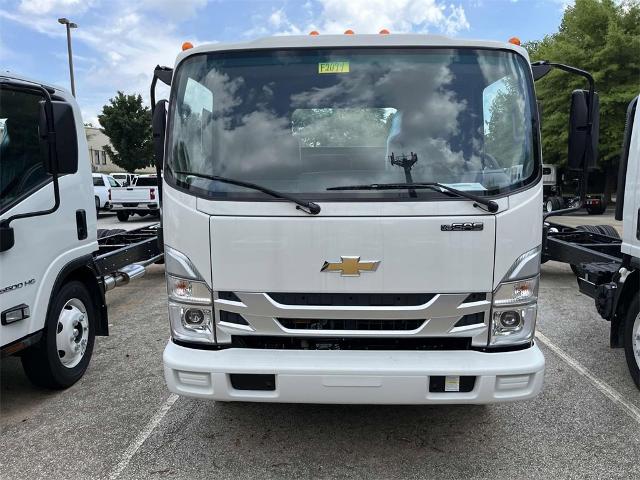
{"x": 55, "y": 266}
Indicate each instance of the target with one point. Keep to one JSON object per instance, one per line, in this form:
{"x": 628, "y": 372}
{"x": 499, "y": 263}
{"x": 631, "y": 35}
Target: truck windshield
{"x": 305, "y": 121}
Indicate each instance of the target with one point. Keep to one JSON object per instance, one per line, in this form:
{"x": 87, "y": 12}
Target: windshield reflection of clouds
{"x": 303, "y": 132}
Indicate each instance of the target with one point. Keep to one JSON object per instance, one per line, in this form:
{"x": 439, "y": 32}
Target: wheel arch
{"x": 628, "y": 290}
{"x": 83, "y": 270}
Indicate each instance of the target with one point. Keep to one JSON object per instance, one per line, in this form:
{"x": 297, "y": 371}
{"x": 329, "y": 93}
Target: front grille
{"x": 337, "y": 324}
{"x": 232, "y": 317}
{"x": 470, "y": 319}
{"x": 223, "y": 295}
{"x": 350, "y": 343}
{"x": 353, "y": 299}
{"x": 475, "y": 297}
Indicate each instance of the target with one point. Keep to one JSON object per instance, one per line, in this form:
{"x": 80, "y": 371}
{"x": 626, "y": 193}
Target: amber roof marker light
{"x": 349, "y": 32}
{"x": 384, "y": 31}
{"x": 514, "y": 41}
{"x": 314, "y": 33}
{"x": 187, "y": 46}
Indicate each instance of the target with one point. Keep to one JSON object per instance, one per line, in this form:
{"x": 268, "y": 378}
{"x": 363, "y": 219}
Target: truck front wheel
{"x": 63, "y": 354}
{"x": 123, "y": 216}
{"x": 632, "y": 339}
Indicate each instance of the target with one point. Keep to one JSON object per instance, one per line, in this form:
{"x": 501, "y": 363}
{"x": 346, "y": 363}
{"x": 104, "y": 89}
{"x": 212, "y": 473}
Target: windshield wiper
{"x": 438, "y": 187}
{"x": 307, "y": 207}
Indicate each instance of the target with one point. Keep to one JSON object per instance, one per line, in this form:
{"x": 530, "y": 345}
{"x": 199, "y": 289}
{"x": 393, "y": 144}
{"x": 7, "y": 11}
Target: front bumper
{"x": 354, "y": 376}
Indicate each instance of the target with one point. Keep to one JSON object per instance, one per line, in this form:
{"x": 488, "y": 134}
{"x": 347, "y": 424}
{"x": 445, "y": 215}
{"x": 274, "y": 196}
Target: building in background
{"x": 100, "y": 160}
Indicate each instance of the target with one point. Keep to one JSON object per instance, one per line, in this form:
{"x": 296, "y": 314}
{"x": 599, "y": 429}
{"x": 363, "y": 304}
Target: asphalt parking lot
{"x": 119, "y": 421}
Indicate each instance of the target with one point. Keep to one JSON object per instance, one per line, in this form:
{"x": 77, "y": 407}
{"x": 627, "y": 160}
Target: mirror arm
{"x": 590, "y": 109}
{"x": 163, "y": 74}
{"x": 51, "y": 140}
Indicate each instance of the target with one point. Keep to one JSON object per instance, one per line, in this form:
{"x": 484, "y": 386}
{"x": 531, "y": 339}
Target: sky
{"x": 119, "y": 42}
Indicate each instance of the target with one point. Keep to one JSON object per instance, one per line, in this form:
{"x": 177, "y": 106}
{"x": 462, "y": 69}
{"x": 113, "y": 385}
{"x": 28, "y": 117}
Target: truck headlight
{"x": 190, "y": 300}
{"x": 514, "y": 312}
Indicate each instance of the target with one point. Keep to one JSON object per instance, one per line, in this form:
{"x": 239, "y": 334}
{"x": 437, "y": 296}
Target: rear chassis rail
{"x": 599, "y": 260}
{"x": 117, "y": 251}
{"x": 569, "y": 245}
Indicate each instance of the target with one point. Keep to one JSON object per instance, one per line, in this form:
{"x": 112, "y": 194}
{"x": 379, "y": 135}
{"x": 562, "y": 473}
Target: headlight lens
{"x": 191, "y": 323}
{"x": 515, "y": 308}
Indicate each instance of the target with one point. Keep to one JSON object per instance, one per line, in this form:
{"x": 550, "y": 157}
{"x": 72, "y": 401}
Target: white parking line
{"x": 142, "y": 437}
{"x": 605, "y": 388}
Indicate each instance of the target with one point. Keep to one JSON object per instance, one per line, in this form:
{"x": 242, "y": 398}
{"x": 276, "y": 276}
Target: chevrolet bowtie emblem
{"x": 350, "y": 266}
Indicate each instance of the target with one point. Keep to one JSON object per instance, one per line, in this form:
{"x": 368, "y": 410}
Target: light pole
{"x": 69, "y": 24}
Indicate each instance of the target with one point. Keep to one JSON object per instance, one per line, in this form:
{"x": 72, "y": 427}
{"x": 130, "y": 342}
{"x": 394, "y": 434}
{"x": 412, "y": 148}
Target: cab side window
{"x": 21, "y": 159}
{"x": 113, "y": 182}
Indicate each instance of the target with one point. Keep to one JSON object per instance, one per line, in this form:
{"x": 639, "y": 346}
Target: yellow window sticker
{"x": 333, "y": 67}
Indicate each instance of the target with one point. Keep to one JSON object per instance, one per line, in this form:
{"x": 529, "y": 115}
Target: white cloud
{"x": 370, "y": 16}
{"x": 43, "y": 7}
{"x": 174, "y": 9}
{"x": 366, "y": 16}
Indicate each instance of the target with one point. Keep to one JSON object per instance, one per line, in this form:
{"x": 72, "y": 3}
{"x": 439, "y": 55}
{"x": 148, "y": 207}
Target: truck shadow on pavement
{"x": 18, "y": 396}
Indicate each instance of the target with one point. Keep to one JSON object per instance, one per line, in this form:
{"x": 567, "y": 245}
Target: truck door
{"x": 25, "y": 186}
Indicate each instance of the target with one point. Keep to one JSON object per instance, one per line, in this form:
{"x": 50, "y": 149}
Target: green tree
{"x": 127, "y": 123}
{"x": 602, "y": 37}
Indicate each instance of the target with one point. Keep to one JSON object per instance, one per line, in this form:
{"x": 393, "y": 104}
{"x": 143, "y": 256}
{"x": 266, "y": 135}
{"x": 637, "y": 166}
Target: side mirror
{"x": 539, "y": 70}
{"x": 62, "y": 159}
{"x": 583, "y": 138}
{"x": 159, "y": 126}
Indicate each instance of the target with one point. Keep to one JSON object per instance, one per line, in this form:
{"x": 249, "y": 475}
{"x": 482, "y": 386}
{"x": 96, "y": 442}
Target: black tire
{"x": 588, "y": 228}
{"x": 597, "y": 210}
{"x": 558, "y": 203}
{"x": 143, "y": 214}
{"x": 122, "y": 216}
{"x": 633, "y": 313}
{"x": 42, "y": 363}
{"x": 106, "y": 232}
{"x": 608, "y": 230}
{"x": 553, "y": 204}
{"x": 548, "y": 205}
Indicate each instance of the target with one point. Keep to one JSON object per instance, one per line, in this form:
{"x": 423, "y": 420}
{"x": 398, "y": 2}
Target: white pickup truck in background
{"x": 141, "y": 198}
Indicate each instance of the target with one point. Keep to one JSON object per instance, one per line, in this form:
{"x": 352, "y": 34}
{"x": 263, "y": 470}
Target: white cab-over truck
{"x": 55, "y": 267}
{"x": 352, "y": 219}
